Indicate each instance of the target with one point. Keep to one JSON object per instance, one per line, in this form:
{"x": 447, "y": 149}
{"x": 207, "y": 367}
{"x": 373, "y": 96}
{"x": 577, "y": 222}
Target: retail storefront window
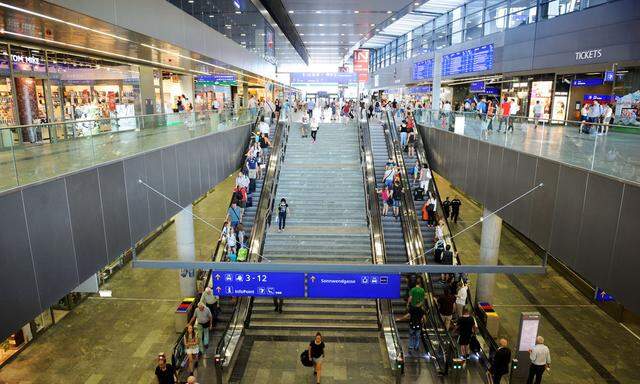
{"x": 552, "y": 8}
{"x": 522, "y": 12}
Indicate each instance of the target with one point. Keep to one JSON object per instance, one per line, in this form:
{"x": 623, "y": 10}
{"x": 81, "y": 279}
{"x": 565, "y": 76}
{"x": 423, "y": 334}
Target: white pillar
{"x": 437, "y": 78}
{"x": 186, "y": 244}
{"x": 489, "y": 251}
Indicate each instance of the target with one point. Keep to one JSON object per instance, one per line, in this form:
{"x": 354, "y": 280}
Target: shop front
{"x": 214, "y": 91}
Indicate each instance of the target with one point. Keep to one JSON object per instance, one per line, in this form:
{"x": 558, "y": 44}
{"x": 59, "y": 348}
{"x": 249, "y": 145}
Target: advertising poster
{"x": 269, "y": 42}
{"x": 541, "y": 91}
{"x": 559, "y": 111}
{"x": 361, "y": 64}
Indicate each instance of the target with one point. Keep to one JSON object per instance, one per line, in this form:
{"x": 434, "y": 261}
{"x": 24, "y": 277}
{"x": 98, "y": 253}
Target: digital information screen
{"x": 470, "y": 60}
{"x": 284, "y": 284}
{"x": 423, "y": 70}
{"x": 357, "y": 286}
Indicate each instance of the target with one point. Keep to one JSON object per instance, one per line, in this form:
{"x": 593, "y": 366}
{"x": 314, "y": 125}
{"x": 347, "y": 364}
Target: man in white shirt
{"x": 595, "y": 112}
{"x": 538, "y": 110}
{"x": 263, "y": 127}
{"x": 253, "y": 106}
{"x": 242, "y": 181}
{"x": 540, "y": 361}
{"x": 608, "y": 112}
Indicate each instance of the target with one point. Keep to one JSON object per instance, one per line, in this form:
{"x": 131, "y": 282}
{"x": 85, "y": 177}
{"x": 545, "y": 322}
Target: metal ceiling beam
{"x": 339, "y": 268}
{"x": 275, "y": 12}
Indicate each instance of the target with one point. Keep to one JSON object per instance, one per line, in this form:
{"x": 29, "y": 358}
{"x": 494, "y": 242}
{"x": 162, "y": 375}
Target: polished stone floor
{"x": 115, "y": 340}
{"x": 27, "y": 163}
{"x": 587, "y": 346}
{"x": 615, "y": 154}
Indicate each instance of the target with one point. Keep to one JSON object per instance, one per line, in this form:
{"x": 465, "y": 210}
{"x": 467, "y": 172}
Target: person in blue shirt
{"x": 482, "y": 108}
{"x": 310, "y": 106}
{"x": 235, "y": 214}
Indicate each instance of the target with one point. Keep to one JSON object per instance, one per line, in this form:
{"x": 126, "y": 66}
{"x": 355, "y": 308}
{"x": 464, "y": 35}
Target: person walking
{"x": 500, "y": 362}
{"x": 538, "y": 110}
{"x": 277, "y": 304}
{"x": 466, "y": 329}
{"x": 505, "y": 106}
{"x": 314, "y": 129}
{"x": 191, "y": 347}
{"x": 540, "y": 361}
{"x": 277, "y": 110}
{"x": 165, "y": 373}
{"x": 417, "y": 318}
{"x": 203, "y": 318}
{"x": 283, "y": 209}
{"x": 425, "y": 177}
{"x": 316, "y": 355}
{"x": 311, "y": 104}
{"x": 455, "y": 209}
{"x": 446, "y": 207}
{"x": 607, "y": 118}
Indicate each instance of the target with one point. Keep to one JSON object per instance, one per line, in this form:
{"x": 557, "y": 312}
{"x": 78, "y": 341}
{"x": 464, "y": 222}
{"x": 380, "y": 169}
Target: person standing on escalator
{"x": 397, "y": 197}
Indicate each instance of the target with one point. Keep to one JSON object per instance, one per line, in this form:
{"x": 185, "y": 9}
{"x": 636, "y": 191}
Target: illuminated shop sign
{"x": 25, "y": 59}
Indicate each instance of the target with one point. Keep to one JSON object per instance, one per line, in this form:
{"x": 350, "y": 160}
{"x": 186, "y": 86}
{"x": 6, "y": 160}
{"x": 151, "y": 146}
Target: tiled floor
{"x": 616, "y": 154}
{"x": 587, "y": 346}
{"x": 115, "y": 340}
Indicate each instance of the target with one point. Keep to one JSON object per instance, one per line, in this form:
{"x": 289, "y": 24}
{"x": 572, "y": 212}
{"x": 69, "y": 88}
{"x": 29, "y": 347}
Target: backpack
{"x": 243, "y": 253}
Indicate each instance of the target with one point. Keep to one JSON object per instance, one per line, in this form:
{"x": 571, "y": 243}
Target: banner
{"x": 361, "y": 64}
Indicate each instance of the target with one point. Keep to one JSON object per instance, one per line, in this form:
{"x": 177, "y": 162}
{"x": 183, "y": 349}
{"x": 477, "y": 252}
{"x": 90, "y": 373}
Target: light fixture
{"x": 389, "y": 12}
{"x": 297, "y": 25}
{"x": 190, "y": 1}
{"x": 318, "y": 11}
{"x": 320, "y": 25}
{"x": 377, "y": 29}
{"x": 243, "y": 34}
{"x": 393, "y": 18}
{"x": 238, "y": 12}
{"x": 342, "y": 34}
{"x": 372, "y": 25}
{"x": 356, "y": 11}
{"x": 302, "y": 34}
{"x": 416, "y": 3}
{"x": 290, "y": 11}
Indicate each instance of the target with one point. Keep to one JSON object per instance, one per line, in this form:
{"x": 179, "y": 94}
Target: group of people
{"x": 596, "y": 116}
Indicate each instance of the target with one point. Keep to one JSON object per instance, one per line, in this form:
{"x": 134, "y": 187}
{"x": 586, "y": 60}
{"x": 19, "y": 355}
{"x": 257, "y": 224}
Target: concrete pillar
{"x": 147, "y": 90}
{"x": 186, "y": 243}
{"x": 186, "y": 82}
{"x": 489, "y": 251}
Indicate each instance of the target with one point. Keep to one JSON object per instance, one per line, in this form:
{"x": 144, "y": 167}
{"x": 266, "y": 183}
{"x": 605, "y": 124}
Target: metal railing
{"x": 179, "y": 356}
{"x": 578, "y": 143}
{"x": 386, "y": 319}
{"x": 447, "y": 234}
{"x": 31, "y": 153}
{"x": 231, "y": 340}
{"x": 439, "y": 344}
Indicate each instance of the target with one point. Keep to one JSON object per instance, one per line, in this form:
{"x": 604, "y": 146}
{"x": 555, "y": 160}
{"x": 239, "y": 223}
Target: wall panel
{"x": 51, "y": 240}
{"x": 87, "y": 222}
{"x": 137, "y": 201}
{"x": 493, "y": 177}
{"x": 507, "y": 183}
{"x": 543, "y": 203}
{"x": 18, "y": 286}
{"x": 525, "y": 176}
{"x": 171, "y": 181}
{"x": 184, "y": 179}
{"x": 194, "y": 169}
{"x": 114, "y": 208}
{"x": 483, "y": 171}
{"x": 598, "y": 228}
{"x": 155, "y": 178}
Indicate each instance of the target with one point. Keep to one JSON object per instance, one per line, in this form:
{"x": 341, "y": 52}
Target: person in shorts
{"x": 316, "y": 354}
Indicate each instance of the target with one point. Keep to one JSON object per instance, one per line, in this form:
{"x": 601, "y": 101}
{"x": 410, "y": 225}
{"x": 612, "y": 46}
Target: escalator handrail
{"x": 384, "y": 308}
{"x": 178, "y": 354}
{"x": 230, "y": 340}
{"x": 422, "y": 156}
{"x": 413, "y": 237}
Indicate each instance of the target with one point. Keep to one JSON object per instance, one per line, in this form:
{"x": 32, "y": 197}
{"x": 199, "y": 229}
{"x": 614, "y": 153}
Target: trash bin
{"x": 182, "y": 314}
{"x": 491, "y": 318}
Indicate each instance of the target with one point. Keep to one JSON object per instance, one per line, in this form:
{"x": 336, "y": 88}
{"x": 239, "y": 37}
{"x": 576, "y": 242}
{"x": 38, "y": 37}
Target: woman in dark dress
{"x": 466, "y": 328}
{"x": 316, "y": 354}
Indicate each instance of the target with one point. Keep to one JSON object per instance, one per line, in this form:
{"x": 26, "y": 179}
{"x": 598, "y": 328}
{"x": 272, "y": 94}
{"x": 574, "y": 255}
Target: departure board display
{"x": 423, "y": 70}
{"x": 470, "y": 60}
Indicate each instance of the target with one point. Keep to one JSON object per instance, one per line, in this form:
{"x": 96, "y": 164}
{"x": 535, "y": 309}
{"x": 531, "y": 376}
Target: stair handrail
{"x": 231, "y": 340}
{"x": 482, "y": 326}
{"x": 178, "y": 355}
{"x": 384, "y": 307}
{"x": 415, "y": 253}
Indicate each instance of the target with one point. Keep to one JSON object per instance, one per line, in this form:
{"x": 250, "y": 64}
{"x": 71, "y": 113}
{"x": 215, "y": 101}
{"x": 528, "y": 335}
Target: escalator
{"x": 328, "y": 222}
{"x": 476, "y": 366}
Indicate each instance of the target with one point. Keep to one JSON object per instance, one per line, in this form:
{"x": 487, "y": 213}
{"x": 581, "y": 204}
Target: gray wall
{"x": 587, "y": 221}
{"x": 56, "y": 234}
{"x": 546, "y": 46}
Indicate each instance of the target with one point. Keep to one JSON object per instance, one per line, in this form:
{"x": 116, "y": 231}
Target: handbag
{"x": 304, "y": 359}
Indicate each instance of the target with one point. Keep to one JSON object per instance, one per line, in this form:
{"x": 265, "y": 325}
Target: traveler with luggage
{"x": 316, "y": 355}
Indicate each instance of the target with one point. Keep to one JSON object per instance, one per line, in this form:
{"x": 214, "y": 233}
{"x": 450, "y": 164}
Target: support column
{"x": 437, "y": 78}
{"x": 185, "y": 240}
{"x": 147, "y": 90}
{"x": 489, "y": 251}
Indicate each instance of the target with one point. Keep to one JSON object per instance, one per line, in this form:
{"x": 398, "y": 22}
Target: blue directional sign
{"x": 281, "y": 284}
{"x": 353, "y": 285}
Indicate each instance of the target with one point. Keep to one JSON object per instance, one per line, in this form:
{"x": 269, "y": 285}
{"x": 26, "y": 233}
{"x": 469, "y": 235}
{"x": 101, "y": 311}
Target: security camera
{"x": 566, "y": 81}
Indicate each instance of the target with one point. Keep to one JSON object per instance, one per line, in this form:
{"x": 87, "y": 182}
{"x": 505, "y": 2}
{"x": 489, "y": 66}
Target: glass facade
{"x": 470, "y": 21}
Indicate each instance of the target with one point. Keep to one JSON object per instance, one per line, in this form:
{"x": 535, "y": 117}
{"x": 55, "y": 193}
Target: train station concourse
{"x": 305, "y": 192}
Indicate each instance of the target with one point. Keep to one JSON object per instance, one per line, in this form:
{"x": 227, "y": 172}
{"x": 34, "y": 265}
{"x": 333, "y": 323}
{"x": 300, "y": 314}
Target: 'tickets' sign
{"x": 589, "y": 54}
{"x": 361, "y": 62}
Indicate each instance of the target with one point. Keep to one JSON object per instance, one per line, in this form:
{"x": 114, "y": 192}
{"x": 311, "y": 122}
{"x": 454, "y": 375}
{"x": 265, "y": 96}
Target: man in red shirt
{"x": 505, "y": 109}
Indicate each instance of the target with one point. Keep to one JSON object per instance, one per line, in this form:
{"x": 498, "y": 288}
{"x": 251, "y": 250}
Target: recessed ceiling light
{"x": 238, "y": 12}
{"x": 356, "y": 11}
{"x": 416, "y": 3}
{"x": 297, "y": 25}
{"x": 318, "y": 11}
{"x": 190, "y": 1}
{"x": 321, "y": 25}
{"x": 362, "y": 34}
{"x": 342, "y": 34}
{"x": 210, "y": 15}
{"x": 322, "y": 34}
{"x": 253, "y": 25}
{"x": 389, "y": 12}
{"x": 302, "y": 34}
{"x": 378, "y": 30}
{"x": 243, "y": 34}
{"x": 290, "y": 11}
{"x": 372, "y": 25}
{"x": 393, "y": 18}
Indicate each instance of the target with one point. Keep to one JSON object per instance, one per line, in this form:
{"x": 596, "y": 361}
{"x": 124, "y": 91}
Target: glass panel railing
{"x": 32, "y": 153}
{"x": 610, "y": 149}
